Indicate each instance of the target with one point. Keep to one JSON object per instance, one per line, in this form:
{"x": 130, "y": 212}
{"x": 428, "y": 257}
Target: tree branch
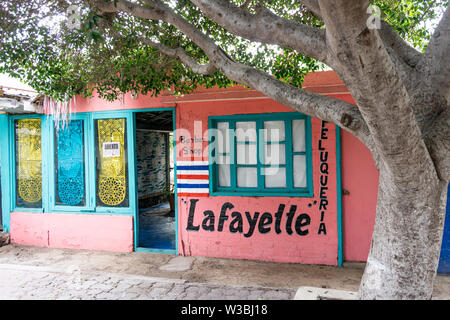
{"x": 368, "y": 70}
{"x": 435, "y": 63}
{"x": 391, "y": 39}
{"x": 313, "y": 6}
{"x": 342, "y": 113}
{"x": 177, "y": 53}
{"x": 402, "y": 49}
{"x": 132, "y": 8}
{"x": 266, "y": 27}
{"x": 245, "y": 4}
{"x": 180, "y": 54}
{"x": 403, "y": 56}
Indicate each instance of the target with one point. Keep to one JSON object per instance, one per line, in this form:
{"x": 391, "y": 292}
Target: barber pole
{"x": 193, "y": 178}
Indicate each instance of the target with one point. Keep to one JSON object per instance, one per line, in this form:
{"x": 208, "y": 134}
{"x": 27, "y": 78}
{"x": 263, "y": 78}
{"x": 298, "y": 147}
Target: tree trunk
{"x": 406, "y": 239}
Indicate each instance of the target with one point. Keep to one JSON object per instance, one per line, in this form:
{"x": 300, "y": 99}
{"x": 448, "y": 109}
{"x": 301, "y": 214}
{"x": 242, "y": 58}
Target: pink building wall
{"x": 73, "y": 231}
{"x": 313, "y": 248}
{"x": 359, "y": 178}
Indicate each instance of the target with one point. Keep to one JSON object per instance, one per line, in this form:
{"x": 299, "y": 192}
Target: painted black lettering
{"x": 324, "y": 168}
{"x": 322, "y": 229}
{"x": 278, "y": 217}
{"x": 322, "y": 192}
{"x": 251, "y": 222}
{"x": 190, "y": 226}
{"x": 209, "y": 217}
{"x": 323, "y": 156}
{"x": 323, "y": 133}
{"x": 323, "y": 204}
{"x": 320, "y": 145}
{"x": 265, "y": 220}
{"x": 323, "y": 180}
{"x": 223, "y": 216}
{"x": 236, "y": 225}
{"x": 302, "y": 221}
{"x": 290, "y": 217}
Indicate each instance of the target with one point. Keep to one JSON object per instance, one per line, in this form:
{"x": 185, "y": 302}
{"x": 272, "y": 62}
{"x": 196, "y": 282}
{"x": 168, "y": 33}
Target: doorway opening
{"x": 155, "y": 180}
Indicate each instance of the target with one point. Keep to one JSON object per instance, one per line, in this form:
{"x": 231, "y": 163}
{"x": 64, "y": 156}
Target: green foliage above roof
{"x": 103, "y": 52}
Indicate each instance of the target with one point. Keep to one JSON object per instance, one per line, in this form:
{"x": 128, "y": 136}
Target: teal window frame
{"x": 89, "y": 199}
{"x": 48, "y": 164}
{"x": 7, "y": 144}
{"x": 130, "y": 139}
{"x": 44, "y": 162}
{"x": 261, "y": 190}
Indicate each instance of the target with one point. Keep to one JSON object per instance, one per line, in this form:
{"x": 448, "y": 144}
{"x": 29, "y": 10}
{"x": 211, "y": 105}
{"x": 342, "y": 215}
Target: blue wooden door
{"x": 444, "y": 261}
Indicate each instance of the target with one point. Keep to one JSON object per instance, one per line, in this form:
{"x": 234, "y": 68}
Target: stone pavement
{"x": 19, "y": 282}
{"x": 28, "y": 272}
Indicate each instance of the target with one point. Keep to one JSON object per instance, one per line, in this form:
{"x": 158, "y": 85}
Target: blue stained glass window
{"x": 69, "y": 164}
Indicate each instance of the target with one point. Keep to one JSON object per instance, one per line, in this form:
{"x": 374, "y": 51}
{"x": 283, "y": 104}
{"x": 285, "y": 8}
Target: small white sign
{"x": 111, "y": 149}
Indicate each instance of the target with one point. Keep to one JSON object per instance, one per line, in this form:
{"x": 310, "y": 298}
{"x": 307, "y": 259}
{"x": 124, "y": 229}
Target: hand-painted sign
{"x": 274, "y": 228}
{"x": 324, "y": 172}
{"x": 265, "y": 222}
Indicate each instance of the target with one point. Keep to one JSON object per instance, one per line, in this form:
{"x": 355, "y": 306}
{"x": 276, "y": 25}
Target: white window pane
{"x": 274, "y": 131}
{"x": 299, "y": 171}
{"x": 275, "y": 177}
{"x": 246, "y": 131}
{"x": 275, "y": 153}
{"x": 223, "y": 171}
{"x": 246, "y": 153}
{"x": 247, "y": 177}
{"x": 223, "y": 137}
{"x": 223, "y": 160}
{"x": 224, "y": 175}
{"x": 298, "y": 135}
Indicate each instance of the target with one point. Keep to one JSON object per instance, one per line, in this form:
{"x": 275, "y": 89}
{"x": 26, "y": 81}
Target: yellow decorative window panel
{"x": 111, "y": 163}
{"x": 28, "y": 163}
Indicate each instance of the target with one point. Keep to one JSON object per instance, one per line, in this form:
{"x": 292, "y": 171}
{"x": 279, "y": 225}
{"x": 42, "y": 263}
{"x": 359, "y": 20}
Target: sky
{"x": 7, "y": 81}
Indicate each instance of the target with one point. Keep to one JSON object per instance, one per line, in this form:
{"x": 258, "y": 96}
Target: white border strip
{"x": 192, "y": 163}
{"x": 193, "y": 181}
{"x": 192, "y": 190}
{"x": 193, "y": 172}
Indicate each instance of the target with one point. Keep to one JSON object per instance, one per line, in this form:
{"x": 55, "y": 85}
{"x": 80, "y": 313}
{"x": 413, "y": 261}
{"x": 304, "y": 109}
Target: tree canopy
{"x": 62, "y": 52}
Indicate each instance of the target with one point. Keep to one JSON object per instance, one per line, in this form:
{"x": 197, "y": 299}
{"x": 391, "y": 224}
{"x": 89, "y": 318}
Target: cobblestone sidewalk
{"x": 19, "y": 282}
